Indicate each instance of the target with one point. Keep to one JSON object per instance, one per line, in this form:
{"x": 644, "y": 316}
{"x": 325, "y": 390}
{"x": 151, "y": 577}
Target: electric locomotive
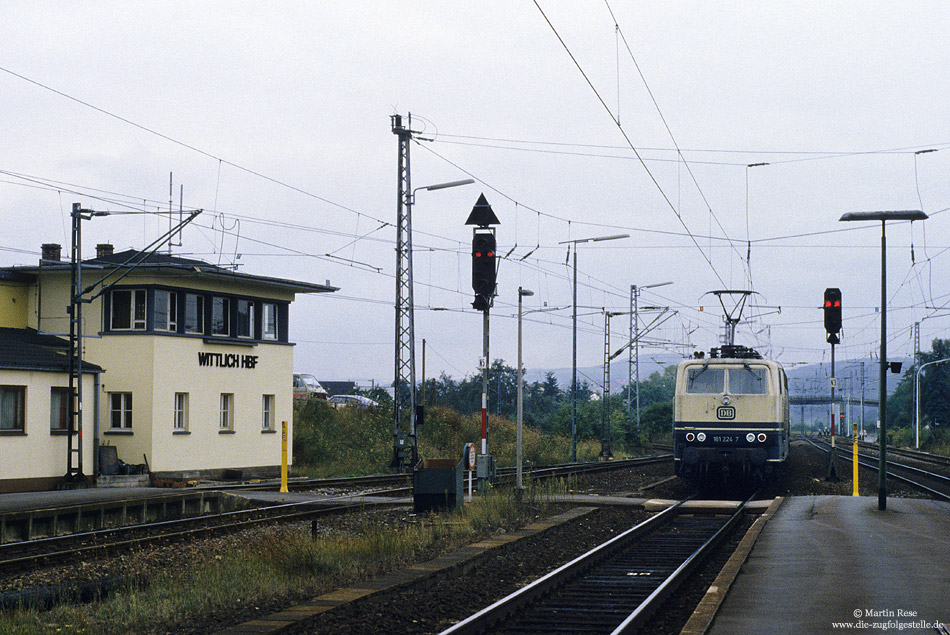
{"x": 730, "y": 416}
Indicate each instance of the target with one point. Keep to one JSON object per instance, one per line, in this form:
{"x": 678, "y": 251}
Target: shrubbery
{"x": 348, "y": 441}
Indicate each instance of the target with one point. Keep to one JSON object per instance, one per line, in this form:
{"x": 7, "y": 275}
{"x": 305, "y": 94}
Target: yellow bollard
{"x": 283, "y": 456}
{"x": 854, "y": 459}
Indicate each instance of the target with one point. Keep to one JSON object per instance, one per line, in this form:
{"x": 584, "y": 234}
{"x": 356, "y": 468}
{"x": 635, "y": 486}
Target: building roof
{"x": 25, "y": 349}
{"x": 161, "y": 263}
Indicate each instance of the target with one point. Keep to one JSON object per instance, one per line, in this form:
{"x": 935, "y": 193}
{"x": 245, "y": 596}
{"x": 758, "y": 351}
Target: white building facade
{"x": 197, "y": 364}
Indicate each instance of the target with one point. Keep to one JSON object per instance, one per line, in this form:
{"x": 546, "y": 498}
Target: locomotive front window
{"x": 748, "y": 381}
{"x": 705, "y": 380}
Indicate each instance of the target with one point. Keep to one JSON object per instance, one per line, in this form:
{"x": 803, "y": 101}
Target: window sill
{"x": 175, "y": 432}
{"x": 12, "y": 433}
{"x": 225, "y": 431}
{"x": 58, "y": 432}
{"x": 269, "y": 431}
{"x": 118, "y": 432}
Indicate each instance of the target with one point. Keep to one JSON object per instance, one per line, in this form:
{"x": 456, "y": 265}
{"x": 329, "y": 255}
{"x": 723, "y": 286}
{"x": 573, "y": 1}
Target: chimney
{"x": 51, "y": 251}
{"x": 104, "y": 249}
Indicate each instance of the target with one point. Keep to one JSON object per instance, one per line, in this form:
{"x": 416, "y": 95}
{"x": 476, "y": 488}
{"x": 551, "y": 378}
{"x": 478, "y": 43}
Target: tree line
{"x": 934, "y": 399}
{"x": 547, "y": 405}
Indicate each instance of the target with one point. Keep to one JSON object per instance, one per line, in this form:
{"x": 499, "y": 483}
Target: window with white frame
{"x": 220, "y": 316}
{"x": 269, "y": 321}
{"x": 245, "y": 318}
{"x": 180, "y": 413}
{"x": 226, "y": 412}
{"x": 194, "y": 313}
{"x": 267, "y": 418}
{"x": 120, "y": 410}
{"x": 12, "y": 404}
{"x": 59, "y": 409}
{"x": 128, "y": 310}
{"x": 165, "y": 311}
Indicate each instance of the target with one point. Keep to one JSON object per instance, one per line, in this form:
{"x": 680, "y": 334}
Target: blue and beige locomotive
{"x": 730, "y": 416}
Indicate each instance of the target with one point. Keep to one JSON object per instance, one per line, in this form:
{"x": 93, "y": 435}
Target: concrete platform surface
{"x": 836, "y": 564}
{"x": 51, "y": 499}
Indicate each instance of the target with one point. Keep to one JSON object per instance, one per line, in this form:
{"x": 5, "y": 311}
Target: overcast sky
{"x": 275, "y": 119}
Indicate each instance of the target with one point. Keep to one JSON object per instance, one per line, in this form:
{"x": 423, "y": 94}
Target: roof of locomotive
{"x": 734, "y": 354}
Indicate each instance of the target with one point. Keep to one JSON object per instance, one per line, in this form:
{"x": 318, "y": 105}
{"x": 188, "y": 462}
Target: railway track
{"x": 29, "y": 554}
{"x": 927, "y": 458}
{"x": 934, "y": 483}
{"x": 615, "y": 587}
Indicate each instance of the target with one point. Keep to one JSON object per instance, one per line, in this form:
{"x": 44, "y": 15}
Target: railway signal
{"x": 484, "y": 262}
{"x": 832, "y": 308}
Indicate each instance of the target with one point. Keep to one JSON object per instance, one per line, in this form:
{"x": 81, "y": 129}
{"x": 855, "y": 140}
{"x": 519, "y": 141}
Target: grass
{"x": 331, "y": 442}
{"x": 284, "y": 565}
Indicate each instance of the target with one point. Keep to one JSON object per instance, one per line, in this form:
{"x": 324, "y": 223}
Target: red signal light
{"x": 478, "y": 254}
{"x": 837, "y": 303}
{"x": 828, "y": 303}
{"x": 490, "y": 254}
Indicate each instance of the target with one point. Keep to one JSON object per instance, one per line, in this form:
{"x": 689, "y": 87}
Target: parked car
{"x": 340, "y": 401}
{"x": 307, "y": 386}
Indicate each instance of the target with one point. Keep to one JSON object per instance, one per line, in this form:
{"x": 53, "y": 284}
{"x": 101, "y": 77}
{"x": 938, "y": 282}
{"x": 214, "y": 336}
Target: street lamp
{"x": 440, "y": 186}
{"x": 917, "y": 391}
{"x": 522, "y": 293}
{"x": 883, "y": 216}
{"x": 576, "y": 242}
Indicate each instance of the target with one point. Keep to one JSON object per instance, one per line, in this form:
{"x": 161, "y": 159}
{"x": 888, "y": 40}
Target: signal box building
{"x": 191, "y": 363}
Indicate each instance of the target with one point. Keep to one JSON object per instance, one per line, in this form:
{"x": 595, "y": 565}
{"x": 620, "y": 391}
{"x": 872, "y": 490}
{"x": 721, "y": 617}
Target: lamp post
{"x": 522, "y": 293}
{"x": 917, "y": 395}
{"x": 575, "y": 243}
{"x": 883, "y": 216}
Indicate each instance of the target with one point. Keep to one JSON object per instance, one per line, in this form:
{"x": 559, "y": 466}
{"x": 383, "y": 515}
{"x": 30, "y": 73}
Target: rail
{"x": 613, "y": 587}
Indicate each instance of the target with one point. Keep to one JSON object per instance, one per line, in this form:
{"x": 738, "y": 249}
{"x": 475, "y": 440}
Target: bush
{"x": 347, "y": 441}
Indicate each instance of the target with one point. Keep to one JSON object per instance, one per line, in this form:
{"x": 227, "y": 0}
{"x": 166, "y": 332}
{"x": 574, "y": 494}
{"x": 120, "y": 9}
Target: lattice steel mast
{"x": 404, "y": 384}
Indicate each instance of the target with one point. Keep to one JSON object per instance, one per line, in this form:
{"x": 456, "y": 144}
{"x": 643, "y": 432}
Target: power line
{"x": 630, "y": 143}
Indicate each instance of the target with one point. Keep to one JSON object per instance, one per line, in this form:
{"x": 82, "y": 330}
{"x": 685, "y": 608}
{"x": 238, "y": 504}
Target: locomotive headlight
{"x": 690, "y": 437}
{"x": 701, "y": 437}
{"x": 750, "y": 437}
{"x": 761, "y": 437}
{"x": 726, "y": 400}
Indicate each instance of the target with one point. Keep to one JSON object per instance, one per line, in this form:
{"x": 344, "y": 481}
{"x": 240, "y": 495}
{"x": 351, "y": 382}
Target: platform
{"x": 836, "y": 564}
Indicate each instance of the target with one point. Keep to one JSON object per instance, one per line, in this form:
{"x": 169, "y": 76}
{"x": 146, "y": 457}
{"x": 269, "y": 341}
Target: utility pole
{"x": 633, "y": 359}
{"x": 606, "y": 450}
{"x": 74, "y": 472}
{"x": 404, "y": 382}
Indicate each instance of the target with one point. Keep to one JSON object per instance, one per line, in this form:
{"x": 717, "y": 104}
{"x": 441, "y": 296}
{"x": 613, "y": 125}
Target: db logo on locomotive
{"x": 726, "y": 413}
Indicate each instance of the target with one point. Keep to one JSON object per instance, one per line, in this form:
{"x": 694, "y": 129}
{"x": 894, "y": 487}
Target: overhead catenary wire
{"x": 630, "y": 143}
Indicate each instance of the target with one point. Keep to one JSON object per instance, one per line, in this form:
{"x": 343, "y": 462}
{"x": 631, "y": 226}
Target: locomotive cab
{"x": 730, "y": 416}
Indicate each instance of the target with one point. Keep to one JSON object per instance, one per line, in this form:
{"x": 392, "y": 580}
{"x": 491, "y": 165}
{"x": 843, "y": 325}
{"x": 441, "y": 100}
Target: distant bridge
{"x": 825, "y": 400}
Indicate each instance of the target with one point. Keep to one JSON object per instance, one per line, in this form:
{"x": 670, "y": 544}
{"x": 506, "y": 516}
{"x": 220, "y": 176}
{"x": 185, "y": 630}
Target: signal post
{"x": 832, "y": 309}
{"x": 484, "y": 275}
